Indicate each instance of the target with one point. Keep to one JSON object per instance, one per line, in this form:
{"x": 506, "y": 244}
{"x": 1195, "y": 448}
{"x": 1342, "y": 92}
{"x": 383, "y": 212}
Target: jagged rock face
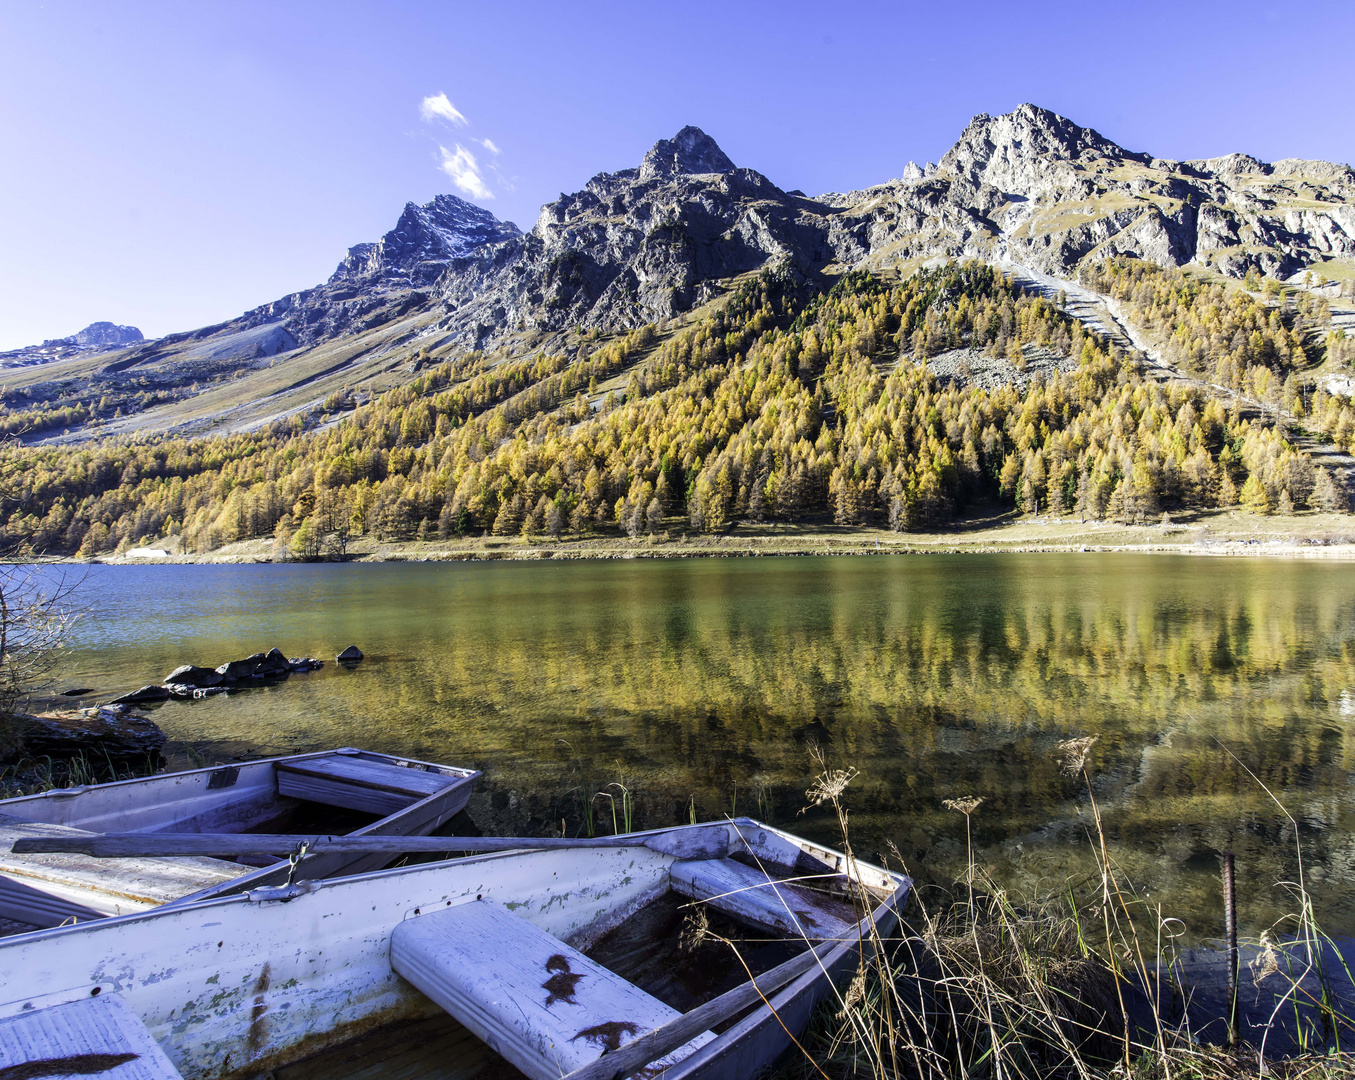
{"x": 1035, "y": 188}
{"x": 424, "y": 241}
{"x": 635, "y": 246}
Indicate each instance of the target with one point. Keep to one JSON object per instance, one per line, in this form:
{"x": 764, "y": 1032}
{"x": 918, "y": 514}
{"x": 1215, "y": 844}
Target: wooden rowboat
{"x": 371, "y": 794}
{"x": 240, "y": 985}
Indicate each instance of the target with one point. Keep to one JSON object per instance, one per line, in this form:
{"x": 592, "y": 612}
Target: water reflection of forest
{"x": 706, "y": 683}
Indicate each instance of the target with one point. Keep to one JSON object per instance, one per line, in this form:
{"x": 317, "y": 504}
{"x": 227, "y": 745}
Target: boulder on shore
{"x": 350, "y": 655}
{"x": 109, "y": 732}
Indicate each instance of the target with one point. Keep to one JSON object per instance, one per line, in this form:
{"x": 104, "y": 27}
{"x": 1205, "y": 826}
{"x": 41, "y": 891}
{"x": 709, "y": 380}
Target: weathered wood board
{"x": 750, "y": 896}
{"x": 543, "y": 1006}
{"x": 99, "y": 1035}
{"x": 43, "y": 890}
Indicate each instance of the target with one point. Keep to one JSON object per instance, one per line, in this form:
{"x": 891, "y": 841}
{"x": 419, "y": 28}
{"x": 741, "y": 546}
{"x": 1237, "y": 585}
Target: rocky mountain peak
{"x": 691, "y": 151}
{"x": 107, "y": 333}
{"x": 425, "y": 240}
{"x": 1015, "y": 151}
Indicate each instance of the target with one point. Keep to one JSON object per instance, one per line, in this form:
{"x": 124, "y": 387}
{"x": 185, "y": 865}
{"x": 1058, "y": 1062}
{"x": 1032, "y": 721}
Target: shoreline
{"x": 1216, "y": 533}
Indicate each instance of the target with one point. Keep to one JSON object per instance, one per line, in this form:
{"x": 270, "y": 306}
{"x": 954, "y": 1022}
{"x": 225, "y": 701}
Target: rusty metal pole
{"x": 1230, "y": 931}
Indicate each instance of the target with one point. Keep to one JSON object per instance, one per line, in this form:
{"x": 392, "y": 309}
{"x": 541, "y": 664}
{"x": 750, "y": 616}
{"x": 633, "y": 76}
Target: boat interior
{"x": 718, "y": 923}
{"x": 345, "y": 791}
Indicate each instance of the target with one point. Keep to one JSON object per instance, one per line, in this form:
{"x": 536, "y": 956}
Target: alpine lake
{"x": 1221, "y": 692}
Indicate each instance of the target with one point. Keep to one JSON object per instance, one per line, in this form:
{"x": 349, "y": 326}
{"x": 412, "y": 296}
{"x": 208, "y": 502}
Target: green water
{"x": 707, "y": 684}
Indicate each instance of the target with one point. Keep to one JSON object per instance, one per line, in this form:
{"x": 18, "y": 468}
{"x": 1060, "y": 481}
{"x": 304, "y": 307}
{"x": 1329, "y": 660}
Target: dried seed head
{"x": 695, "y": 930}
{"x": 965, "y": 806}
{"x": 856, "y": 993}
{"x": 1267, "y": 960}
{"x": 1074, "y": 753}
{"x": 829, "y": 785}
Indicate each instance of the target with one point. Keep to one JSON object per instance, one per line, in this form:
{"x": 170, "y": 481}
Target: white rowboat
{"x": 236, "y": 986}
{"x": 408, "y": 797}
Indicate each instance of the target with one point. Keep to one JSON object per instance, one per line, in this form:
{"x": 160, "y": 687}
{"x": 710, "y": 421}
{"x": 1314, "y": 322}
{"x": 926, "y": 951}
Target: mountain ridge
{"x": 654, "y": 241}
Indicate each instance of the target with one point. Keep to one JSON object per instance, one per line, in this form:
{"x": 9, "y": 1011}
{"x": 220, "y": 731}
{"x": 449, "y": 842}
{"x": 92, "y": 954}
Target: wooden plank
{"x": 357, "y": 783}
{"x": 99, "y": 1035}
{"x": 543, "y": 1006}
{"x": 361, "y": 772}
{"x": 106, "y": 888}
{"x": 750, "y": 896}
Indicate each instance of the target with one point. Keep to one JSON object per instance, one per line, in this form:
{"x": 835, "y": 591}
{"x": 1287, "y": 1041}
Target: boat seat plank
{"x": 750, "y": 896}
{"x": 98, "y": 1035}
{"x": 355, "y": 783}
{"x": 534, "y": 1000}
{"x": 44, "y": 890}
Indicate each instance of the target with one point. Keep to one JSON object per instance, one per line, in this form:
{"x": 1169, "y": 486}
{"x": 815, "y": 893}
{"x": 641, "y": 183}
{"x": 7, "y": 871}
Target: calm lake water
{"x": 707, "y": 684}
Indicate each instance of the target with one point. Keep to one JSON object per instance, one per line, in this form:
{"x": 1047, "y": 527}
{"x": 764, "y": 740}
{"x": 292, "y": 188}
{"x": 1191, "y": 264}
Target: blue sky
{"x": 170, "y": 165}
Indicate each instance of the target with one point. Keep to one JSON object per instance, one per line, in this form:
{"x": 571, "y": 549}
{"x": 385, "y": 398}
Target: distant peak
{"x": 690, "y": 151}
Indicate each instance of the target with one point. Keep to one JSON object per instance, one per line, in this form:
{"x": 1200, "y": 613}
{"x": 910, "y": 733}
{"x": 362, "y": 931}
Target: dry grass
{"x": 977, "y": 985}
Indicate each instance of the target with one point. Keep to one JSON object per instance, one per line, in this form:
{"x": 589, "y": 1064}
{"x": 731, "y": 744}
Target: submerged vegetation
{"x": 783, "y": 404}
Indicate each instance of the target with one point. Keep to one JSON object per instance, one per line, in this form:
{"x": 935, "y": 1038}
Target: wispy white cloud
{"x": 488, "y": 144}
{"x": 437, "y": 107}
{"x": 463, "y": 170}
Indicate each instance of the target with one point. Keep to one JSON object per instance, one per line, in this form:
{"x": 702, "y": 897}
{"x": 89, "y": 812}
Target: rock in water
{"x": 274, "y": 663}
{"x": 192, "y": 675}
{"x": 146, "y": 693}
{"x": 248, "y": 668}
{"x": 350, "y": 655}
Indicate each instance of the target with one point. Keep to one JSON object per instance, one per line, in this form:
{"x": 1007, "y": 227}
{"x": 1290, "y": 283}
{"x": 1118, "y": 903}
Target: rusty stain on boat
{"x": 256, "y": 1014}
